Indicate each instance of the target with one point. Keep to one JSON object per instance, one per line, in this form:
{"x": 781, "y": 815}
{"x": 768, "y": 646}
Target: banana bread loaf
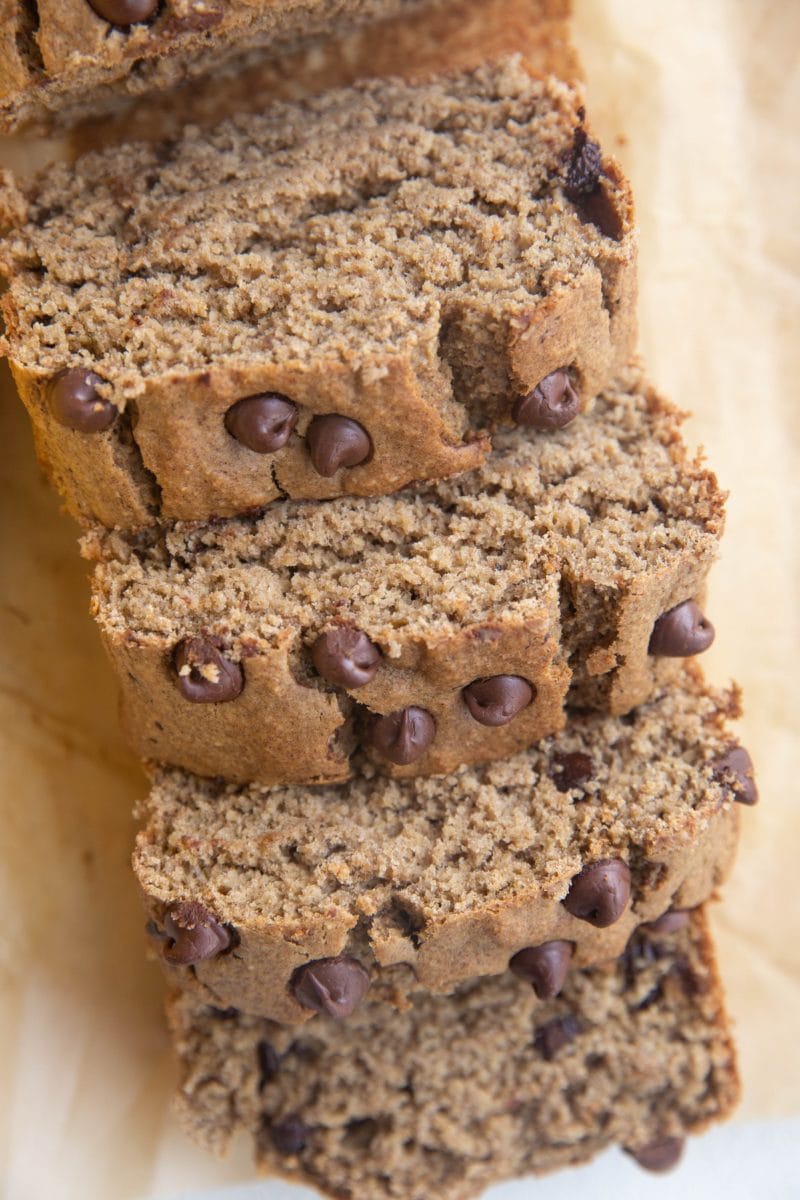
{"x": 454, "y": 35}
{"x": 547, "y": 861}
{"x": 336, "y": 296}
{"x": 443, "y": 625}
{"x": 60, "y": 59}
{"x": 457, "y": 1093}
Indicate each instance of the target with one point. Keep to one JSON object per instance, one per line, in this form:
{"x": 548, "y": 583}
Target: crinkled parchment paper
{"x": 700, "y": 101}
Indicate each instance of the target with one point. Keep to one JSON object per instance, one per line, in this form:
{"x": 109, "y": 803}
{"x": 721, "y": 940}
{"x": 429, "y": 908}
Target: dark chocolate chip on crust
{"x": 544, "y": 967}
{"x": 289, "y": 1135}
{"x": 681, "y": 632}
{"x": 735, "y": 768}
{"x": 204, "y": 675}
{"x": 551, "y": 405}
{"x": 662, "y": 1154}
{"x": 571, "y": 770}
{"x": 335, "y": 442}
{"x": 497, "y": 699}
{"x": 555, "y": 1035}
{"x": 76, "y": 404}
{"x": 600, "y": 892}
{"x": 346, "y": 657}
{"x": 263, "y": 423}
{"x": 125, "y": 12}
{"x": 192, "y": 934}
{"x": 333, "y": 987}
{"x": 403, "y": 736}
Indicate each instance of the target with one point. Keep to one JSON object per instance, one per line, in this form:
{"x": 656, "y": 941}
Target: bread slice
{"x": 460, "y": 1092}
{"x": 398, "y": 269}
{"x": 453, "y": 35}
{"x": 60, "y": 59}
{"x": 426, "y": 883}
{"x": 444, "y": 625}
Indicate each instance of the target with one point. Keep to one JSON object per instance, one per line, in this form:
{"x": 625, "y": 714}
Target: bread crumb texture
{"x": 455, "y": 1094}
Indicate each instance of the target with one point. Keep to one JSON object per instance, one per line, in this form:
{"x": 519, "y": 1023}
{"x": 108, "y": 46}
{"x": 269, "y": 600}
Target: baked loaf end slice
{"x": 453, "y": 36}
{"x": 61, "y": 59}
{"x": 457, "y": 1093}
{"x": 548, "y": 861}
{"x": 336, "y": 296}
{"x": 444, "y": 625}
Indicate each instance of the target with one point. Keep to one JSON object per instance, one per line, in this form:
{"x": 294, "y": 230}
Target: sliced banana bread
{"x": 443, "y": 625}
{"x": 61, "y": 59}
{"x": 457, "y": 1093}
{"x": 270, "y": 899}
{"x": 336, "y": 296}
{"x": 454, "y": 35}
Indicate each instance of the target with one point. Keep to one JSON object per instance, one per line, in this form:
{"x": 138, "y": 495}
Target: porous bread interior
{"x": 454, "y": 1093}
{"x": 424, "y": 847}
{"x": 608, "y": 499}
{"x": 349, "y": 227}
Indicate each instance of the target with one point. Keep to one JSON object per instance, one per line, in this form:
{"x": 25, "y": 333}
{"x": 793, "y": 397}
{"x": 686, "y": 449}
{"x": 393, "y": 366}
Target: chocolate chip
{"x": 125, "y": 12}
{"x": 681, "y": 632}
{"x": 552, "y": 404}
{"x": 204, "y": 675}
{"x": 544, "y": 967}
{"x": 600, "y": 893}
{"x": 671, "y": 921}
{"x": 555, "y": 1035}
{"x": 192, "y": 934}
{"x": 289, "y": 1135}
{"x": 571, "y": 770}
{"x": 262, "y": 423}
{"x": 224, "y": 1014}
{"x": 335, "y": 442}
{"x": 332, "y": 986}
{"x": 497, "y": 699}
{"x": 585, "y": 165}
{"x": 75, "y": 403}
{"x": 660, "y": 1155}
{"x": 345, "y": 656}
{"x": 403, "y": 736}
{"x": 268, "y": 1063}
{"x": 735, "y": 768}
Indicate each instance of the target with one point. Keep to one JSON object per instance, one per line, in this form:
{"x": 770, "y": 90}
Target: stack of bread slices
{"x": 329, "y": 345}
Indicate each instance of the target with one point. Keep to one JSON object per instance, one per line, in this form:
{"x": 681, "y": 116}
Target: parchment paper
{"x": 700, "y": 101}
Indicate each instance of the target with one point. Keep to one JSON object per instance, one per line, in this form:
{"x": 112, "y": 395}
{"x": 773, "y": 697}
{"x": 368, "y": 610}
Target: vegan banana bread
{"x": 334, "y": 297}
{"x": 444, "y": 625}
{"x": 268, "y": 899}
{"x": 60, "y": 59}
{"x": 457, "y": 1093}
{"x": 452, "y": 36}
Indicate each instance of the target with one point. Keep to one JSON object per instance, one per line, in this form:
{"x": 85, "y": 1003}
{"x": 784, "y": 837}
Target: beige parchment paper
{"x": 701, "y": 102}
